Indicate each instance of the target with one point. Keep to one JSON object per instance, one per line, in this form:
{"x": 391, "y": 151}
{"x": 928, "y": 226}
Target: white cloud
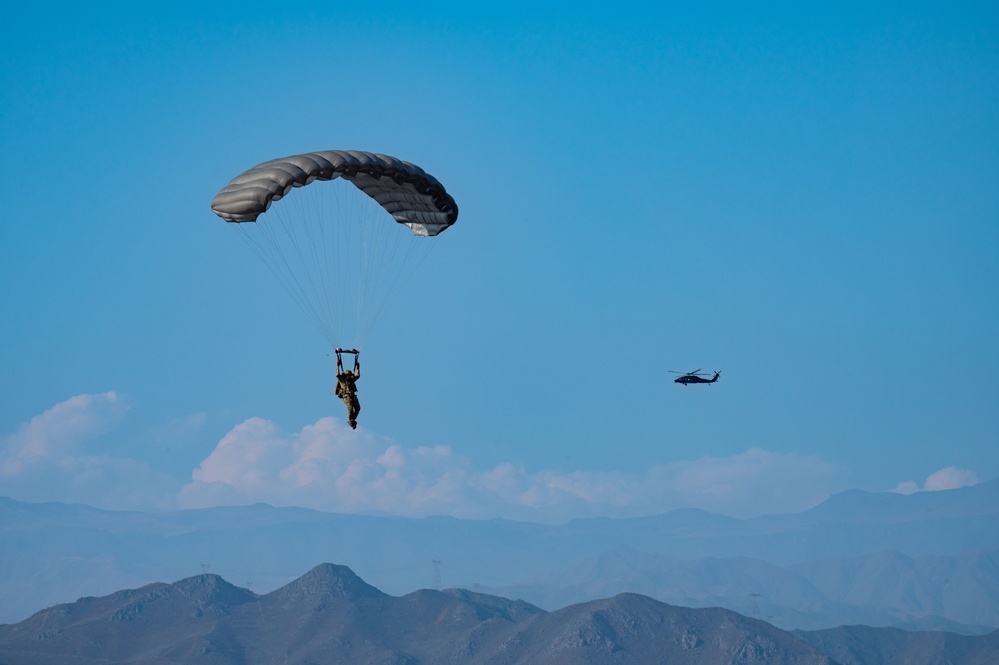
{"x": 44, "y": 460}
{"x": 328, "y": 466}
{"x": 907, "y": 487}
{"x": 948, "y": 478}
{"x": 55, "y": 435}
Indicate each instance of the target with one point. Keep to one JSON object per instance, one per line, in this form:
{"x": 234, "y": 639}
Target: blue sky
{"x": 802, "y": 198}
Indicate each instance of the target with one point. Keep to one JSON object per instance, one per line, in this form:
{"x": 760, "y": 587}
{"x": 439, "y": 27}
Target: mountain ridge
{"x": 206, "y": 619}
{"x": 167, "y": 623}
{"x": 57, "y": 552}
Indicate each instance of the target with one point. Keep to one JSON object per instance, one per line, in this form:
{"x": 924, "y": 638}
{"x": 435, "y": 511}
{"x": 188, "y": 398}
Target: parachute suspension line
{"x": 301, "y": 241}
{"x": 416, "y": 246}
{"x": 336, "y": 251}
{"x": 293, "y": 239}
{"x": 378, "y": 235}
{"x": 317, "y": 235}
{"x": 363, "y": 224}
{"x": 331, "y": 228}
{"x": 263, "y": 244}
{"x": 351, "y": 253}
{"x": 294, "y": 258}
{"x": 373, "y": 242}
{"x": 338, "y": 254}
{"x": 333, "y": 251}
{"x": 358, "y": 213}
{"x": 327, "y": 228}
{"x": 373, "y": 227}
{"x": 398, "y": 250}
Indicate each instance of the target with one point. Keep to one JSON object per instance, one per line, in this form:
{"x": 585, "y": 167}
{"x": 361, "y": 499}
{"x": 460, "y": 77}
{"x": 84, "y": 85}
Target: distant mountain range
{"x": 923, "y": 561}
{"x": 330, "y": 615}
{"x": 956, "y": 593}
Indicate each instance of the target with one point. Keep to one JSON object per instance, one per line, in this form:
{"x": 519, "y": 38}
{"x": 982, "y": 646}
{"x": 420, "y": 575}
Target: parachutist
{"x": 346, "y": 387}
{"x": 317, "y": 240}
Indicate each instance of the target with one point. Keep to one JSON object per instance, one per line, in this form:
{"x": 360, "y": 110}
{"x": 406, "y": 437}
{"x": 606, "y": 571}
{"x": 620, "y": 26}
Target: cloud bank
{"x": 45, "y": 459}
{"x": 56, "y": 434}
{"x": 949, "y": 478}
{"x": 327, "y": 466}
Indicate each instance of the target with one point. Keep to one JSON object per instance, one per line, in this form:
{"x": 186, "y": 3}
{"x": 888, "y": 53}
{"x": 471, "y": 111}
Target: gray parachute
{"x": 332, "y": 242}
{"x": 408, "y": 193}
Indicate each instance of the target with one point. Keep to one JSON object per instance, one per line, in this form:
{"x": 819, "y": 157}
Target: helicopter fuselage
{"x": 692, "y": 378}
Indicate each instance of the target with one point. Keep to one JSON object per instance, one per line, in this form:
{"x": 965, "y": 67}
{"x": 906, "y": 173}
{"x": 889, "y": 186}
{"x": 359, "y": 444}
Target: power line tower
{"x": 756, "y": 605}
{"x": 438, "y": 584}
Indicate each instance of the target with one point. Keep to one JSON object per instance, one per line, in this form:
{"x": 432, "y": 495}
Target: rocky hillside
{"x": 332, "y": 616}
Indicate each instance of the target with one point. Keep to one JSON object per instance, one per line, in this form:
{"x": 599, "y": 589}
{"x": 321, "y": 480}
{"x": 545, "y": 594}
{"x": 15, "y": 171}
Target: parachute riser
{"x": 339, "y": 360}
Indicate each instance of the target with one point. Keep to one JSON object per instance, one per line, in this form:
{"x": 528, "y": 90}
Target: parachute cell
{"x": 404, "y": 190}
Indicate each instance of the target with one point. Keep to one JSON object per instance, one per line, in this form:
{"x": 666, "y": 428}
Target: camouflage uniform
{"x": 347, "y": 390}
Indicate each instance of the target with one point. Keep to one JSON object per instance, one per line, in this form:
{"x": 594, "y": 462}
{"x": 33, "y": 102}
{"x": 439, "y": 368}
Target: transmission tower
{"x": 438, "y": 584}
{"x": 756, "y": 605}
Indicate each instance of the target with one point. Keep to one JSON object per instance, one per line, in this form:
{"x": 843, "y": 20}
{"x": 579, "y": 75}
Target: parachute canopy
{"x": 332, "y": 243}
{"x": 407, "y": 192}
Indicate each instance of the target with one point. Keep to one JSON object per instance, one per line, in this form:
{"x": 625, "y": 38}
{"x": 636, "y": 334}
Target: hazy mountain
{"x": 331, "y": 616}
{"x": 852, "y": 523}
{"x": 788, "y": 599}
{"x": 862, "y": 645}
{"x": 959, "y": 594}
{"x": 813, "y": 569}
{"x": 963, "y": 588}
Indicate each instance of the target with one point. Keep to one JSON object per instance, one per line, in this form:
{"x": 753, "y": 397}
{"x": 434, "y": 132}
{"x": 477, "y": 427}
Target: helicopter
{"x": 694, "y": 377}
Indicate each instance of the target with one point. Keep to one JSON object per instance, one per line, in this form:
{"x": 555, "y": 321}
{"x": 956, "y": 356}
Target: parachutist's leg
{"x": 346, "y": 403}
{"x": 352, "y": 410}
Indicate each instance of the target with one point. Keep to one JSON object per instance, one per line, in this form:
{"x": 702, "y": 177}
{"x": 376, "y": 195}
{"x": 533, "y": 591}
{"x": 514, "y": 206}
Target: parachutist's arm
{"x": 357, "y": 368}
